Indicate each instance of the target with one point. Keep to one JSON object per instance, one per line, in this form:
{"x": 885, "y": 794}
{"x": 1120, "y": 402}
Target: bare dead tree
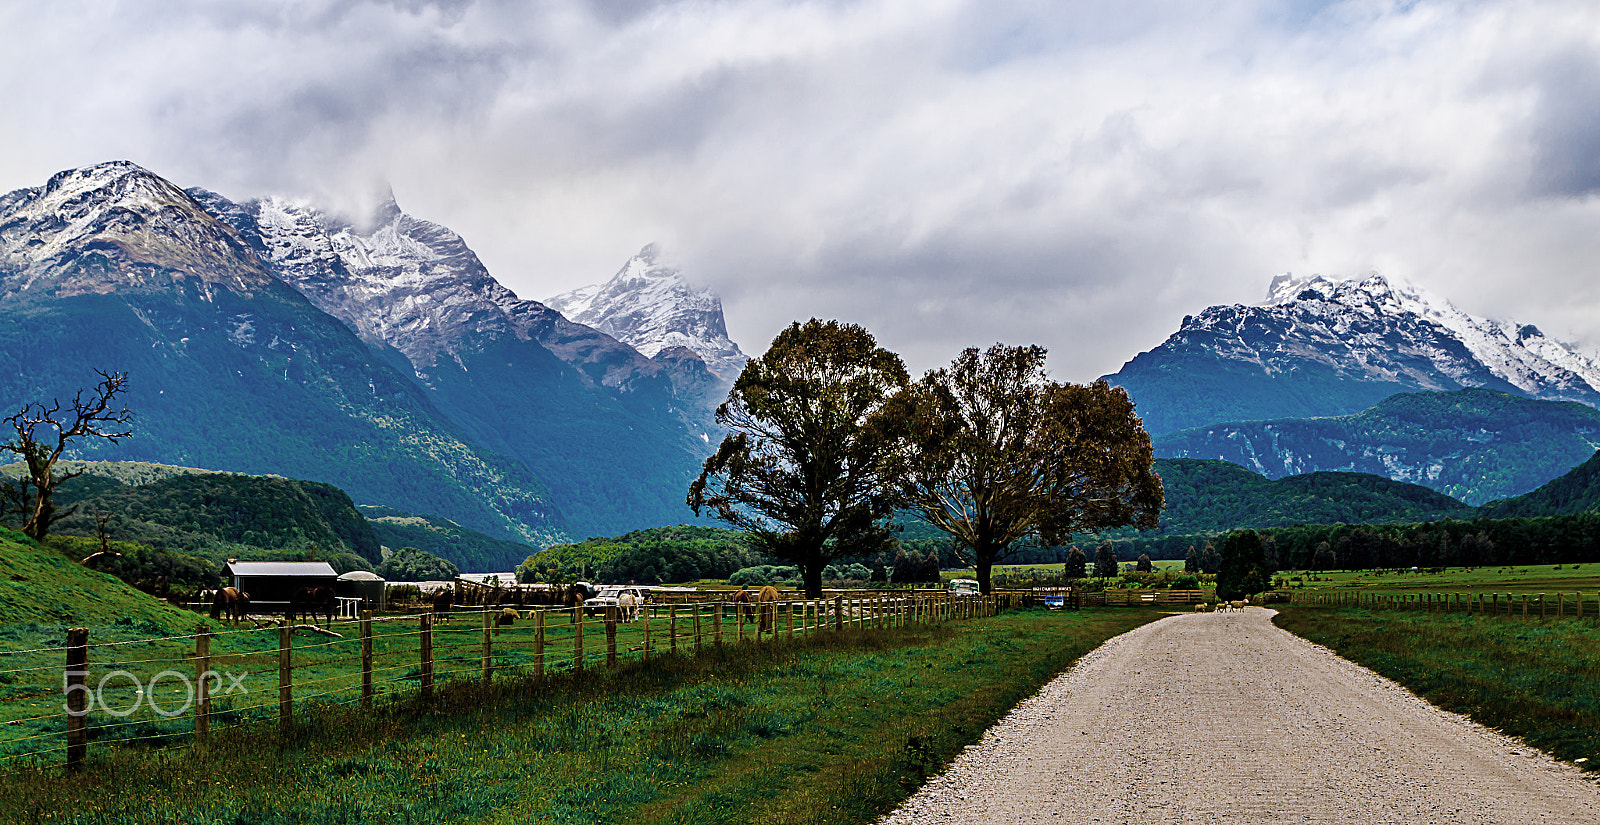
{"x": 42, "y": 435}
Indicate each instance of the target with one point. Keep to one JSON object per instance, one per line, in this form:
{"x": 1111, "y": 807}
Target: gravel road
{"x": 1222, "y": 717}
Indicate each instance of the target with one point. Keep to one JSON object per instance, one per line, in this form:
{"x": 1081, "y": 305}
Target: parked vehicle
{"x": 963, "y": 587}
{"x": 609, "y": 597}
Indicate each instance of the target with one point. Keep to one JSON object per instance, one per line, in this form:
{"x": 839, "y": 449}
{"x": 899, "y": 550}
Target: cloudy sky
{"x": 946, "y": 173}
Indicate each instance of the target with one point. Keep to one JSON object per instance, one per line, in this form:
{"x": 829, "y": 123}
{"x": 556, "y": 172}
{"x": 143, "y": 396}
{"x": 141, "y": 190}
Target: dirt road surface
{"x": 1224, "y": 718}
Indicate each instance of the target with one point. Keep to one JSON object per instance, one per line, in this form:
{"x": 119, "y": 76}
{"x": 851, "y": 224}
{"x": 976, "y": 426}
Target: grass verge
{"x": 1537, "y": 680}
{"x": 835, "y": 728}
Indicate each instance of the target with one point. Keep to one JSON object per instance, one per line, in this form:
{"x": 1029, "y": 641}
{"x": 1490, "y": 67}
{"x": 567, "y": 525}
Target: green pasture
{"x": 831, "y": 727}
{"x": 1538, "y": 679}
{"x": 1519, "y": 579}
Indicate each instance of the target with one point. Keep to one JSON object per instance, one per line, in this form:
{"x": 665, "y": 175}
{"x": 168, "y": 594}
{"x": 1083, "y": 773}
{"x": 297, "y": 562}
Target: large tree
{"x": 42, "y": 434}
{"x": 801, "y": 469}
{"x": 1244, "y": 566}
{"x": 997, "y": 455}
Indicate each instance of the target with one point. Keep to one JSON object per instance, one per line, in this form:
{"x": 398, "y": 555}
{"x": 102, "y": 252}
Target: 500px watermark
{"x": 95, "y": 696}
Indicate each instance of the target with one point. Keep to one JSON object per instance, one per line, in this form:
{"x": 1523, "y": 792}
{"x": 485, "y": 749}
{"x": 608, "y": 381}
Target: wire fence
{"x": 1524, "y": 605}
{"x": 180, "y": 690}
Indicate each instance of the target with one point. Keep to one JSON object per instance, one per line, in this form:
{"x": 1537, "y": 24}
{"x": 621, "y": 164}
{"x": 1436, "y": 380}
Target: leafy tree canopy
{"x": 801, "y": 469}
{"x": 995, "y": 454}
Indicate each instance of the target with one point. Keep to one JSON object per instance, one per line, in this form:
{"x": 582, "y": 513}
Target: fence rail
{"x": 1530, "y": 605}
{"x": 181, "y": 690}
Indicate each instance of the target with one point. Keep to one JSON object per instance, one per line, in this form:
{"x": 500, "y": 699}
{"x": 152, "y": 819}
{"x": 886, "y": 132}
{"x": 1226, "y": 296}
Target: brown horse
{"x": 443, "y": 601}
{"x": 310, "y": 601}
{"x": 768, "y": 599}
{"x": 742, "y": 606}
{"x": 235, "y": 601}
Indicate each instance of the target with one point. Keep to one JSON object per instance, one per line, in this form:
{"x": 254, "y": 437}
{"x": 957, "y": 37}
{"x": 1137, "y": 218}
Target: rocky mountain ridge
{"x": 652, "y": 307}
{"x": 1323, "y": 347}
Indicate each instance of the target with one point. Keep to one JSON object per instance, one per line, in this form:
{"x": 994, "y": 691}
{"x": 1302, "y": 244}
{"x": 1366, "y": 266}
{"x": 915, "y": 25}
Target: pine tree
{"x": 1191, "y": 561}
{"x": 1144, "y": 565}
{"x": 1077, "y": 565}
{"x": 1105, "y": 561}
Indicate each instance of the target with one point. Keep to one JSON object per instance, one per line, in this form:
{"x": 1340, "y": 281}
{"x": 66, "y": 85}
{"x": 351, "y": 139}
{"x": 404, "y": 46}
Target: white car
{"x": 963, "y": 587}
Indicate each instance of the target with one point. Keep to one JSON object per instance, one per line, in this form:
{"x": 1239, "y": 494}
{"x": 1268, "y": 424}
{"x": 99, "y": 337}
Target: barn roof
{"x": 317, "y": 569}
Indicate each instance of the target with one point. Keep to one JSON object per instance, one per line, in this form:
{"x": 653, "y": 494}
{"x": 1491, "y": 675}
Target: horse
{"x": 235, "y": 601}
{"x": 768, "y": 598}
{"x": 741, "y": 601}
{"x": 628, "y": 606}
{"x": 443, "y": 601}
{"x": 310, "y": 601}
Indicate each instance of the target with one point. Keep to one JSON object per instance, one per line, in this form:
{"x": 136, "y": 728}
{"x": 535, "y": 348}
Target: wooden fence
{"x": 176, "y": 691}
{"x": 1139, "y": 598}
{"x": 1529, "y": 605}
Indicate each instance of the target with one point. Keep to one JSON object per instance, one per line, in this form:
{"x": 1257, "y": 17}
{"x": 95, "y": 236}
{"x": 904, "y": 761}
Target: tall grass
{"x": 1530, "y": 678}
{"x": 832, "y": 728}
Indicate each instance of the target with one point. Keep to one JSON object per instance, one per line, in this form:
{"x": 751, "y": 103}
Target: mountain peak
{"x": 113, "y": 225}
{"x": 651, "y": 307}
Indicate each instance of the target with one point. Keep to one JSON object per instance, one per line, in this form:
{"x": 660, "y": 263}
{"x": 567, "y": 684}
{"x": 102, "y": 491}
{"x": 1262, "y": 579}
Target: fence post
{"x": 791, "y": 620}
{"x": 538, "y": 644}
{"x": 487, "y": 648}
{"x": 1524, "y": 605}
{"x": 427, "y": 655}
{"x": 645, "y": 609}
{"x": 77, "y": 690}
{"x": 838, "y": 612}
{"x": 202, "y": 696}
{"x": 611, "y": 635}
{"x": 577, "y": 637}
{"x": 672, "y": 629}
{"x": 716, "y": 625}
{"x": 366, "y": 659}
{"x": 285, "y": 681}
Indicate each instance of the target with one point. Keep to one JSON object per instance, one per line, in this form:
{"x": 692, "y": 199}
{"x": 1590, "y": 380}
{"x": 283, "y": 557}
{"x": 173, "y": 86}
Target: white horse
{"x": 628, "y": 605}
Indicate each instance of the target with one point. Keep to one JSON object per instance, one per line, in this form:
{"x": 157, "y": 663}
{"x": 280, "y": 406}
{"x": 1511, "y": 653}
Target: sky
{"x": 1079, "y": 175}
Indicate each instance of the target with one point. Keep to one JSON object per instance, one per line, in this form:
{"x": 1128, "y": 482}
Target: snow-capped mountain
{"x": 518, "y": 376}
{"x": 1517, "y": 353}
{"x": 650, "y": 306}
{"x": 116, "y": 226}
{"x": 112, "y": 267}
{"x": 1320, "y": 347}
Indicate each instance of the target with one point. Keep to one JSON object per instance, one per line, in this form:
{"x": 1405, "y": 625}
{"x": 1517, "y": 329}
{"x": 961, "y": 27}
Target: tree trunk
{"x": 984, "y": 565}
{"x": 811, "y": 575}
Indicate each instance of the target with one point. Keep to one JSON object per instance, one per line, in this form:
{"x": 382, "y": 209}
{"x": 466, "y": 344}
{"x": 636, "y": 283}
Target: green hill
{"x": 1217, "y": 496}
{"x": 45, "y": 589}
{"x": 216, "y": 515}
{"x": 661, "y": 554}
{"x": 1576, "y": 492}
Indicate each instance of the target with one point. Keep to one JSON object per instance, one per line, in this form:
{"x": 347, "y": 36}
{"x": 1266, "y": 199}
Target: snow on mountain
{"x": 1519, "y": 354}
{"x": 111, "y": 226}
{"x": 651, "y": 307}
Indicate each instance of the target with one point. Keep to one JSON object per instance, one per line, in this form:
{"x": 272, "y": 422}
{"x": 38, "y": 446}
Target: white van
{"x": 963, "y": 587}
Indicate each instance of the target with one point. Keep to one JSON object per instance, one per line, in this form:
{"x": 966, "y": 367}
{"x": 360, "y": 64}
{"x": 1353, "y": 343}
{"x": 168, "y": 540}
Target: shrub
{"x": 763, "y": 575}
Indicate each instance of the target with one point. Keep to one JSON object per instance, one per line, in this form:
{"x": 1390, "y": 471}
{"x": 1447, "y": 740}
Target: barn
{"x": 271, "y": 584}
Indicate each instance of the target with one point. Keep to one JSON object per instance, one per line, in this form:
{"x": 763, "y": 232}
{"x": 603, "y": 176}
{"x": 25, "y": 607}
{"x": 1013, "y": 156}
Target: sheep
{"x": 1237, "y": 605}
{"x": 1200, "y": 607}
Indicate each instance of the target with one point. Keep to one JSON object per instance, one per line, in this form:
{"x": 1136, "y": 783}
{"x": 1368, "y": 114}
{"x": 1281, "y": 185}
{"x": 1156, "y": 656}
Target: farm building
{"x": 368, "y": 587}
{"x": 271, "y": 584}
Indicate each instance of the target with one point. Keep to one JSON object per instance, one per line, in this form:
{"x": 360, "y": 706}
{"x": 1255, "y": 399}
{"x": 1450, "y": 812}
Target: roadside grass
{"x": 1517, "y": 579}
{"x": 832, "y": 728}
{"x": 1534, "y": 679}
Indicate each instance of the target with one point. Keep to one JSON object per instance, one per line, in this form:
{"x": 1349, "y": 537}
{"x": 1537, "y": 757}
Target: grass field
{"x": 1535, "y": 679}
{"x": 1517, "y": 579}
{"x": 832, "y": 728}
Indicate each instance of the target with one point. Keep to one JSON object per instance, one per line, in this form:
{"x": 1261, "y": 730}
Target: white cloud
{"x": 946, "y": 173}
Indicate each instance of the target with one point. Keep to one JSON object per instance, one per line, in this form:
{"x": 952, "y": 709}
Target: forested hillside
{"x": 1576, "y": 492}
{"x": 471, "y": 551}
{"x": 218, "y": 515}
{"x": 662, "y": 554}
{"x": 1475, "y": 445}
